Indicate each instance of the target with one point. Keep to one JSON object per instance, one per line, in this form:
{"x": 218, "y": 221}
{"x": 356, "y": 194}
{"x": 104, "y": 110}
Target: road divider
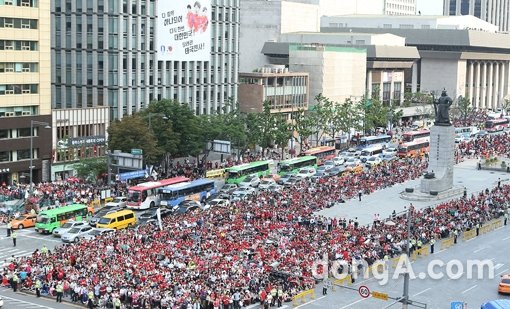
{"x": 303, "y": 297}
{"x": 447, "y": 242}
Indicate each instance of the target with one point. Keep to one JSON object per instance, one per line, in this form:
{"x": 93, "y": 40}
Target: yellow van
{"x": 117, "y": 220}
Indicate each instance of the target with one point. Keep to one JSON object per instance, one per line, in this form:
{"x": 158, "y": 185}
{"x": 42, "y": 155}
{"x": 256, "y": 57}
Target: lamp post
{"x": 163, "y": 116}
{"x": 31, "y": 167}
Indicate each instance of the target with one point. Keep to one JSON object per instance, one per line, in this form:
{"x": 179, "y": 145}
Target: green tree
{"x": 324, "y": 110}
{"x": 282, "y": 131}
{"x": 349, "y": 117}
{"x": 464, "y": 108}
{"x": 132, "y": 132}
{"x": 304, "y": 124}
{"x": 91, "y": 169}
{"x": 374, "y": 114}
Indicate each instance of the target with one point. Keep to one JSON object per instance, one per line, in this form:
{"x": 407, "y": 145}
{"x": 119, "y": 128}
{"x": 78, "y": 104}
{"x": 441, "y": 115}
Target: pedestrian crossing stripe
{"x": 22, "y": 303}
{"x": 6, "y": 253}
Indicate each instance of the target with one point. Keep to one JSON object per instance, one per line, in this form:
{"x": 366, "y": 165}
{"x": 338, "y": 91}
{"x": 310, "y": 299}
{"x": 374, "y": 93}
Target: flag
{"x": 158, "y": 213}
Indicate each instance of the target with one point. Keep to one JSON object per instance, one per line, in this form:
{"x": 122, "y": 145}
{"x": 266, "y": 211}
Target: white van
{"x": 370, "y": 152}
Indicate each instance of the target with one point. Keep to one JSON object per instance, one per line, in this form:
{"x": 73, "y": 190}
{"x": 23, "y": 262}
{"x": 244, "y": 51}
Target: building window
{"x": 5, "y": 156}
{"x": 24, "y": 154}
{"x": 386, "y": 93}
{"x": 24, "y": 132}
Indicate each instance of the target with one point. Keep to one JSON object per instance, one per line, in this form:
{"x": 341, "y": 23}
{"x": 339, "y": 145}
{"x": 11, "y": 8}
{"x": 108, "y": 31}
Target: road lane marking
{"x": 506, "y": 238}
{"x": 498, "y": 266}
{"x": 312, "y": 301}
{"x": 15, "y": 300}
{"x": 353, "y": 303}
{"x": 421, "y": 292}
{"x": 41, "y": 238}
{"x": 474, "y": 286}
{"x": 504, "y": 271}
{"x": 478, "y": 250}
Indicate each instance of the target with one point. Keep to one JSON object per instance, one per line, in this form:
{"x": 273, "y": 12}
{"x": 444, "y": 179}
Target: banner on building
{"x": 183, "y": 30}
{"x": 86, "y": 141}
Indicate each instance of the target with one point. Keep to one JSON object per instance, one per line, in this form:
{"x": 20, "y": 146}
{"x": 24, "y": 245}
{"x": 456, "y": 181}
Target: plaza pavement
{"x": 384, "y": 202}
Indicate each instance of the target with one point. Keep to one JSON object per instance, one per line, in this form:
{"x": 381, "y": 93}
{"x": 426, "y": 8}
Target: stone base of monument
{"x": 439, "y": 176}
{"x": 417, "y": 195}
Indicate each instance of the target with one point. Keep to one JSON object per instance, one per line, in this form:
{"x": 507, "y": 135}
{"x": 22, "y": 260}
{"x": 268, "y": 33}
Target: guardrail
{"x": 447, "y": 242}
{"x": 302, "y": 297}
{"x": 423, "y": 251}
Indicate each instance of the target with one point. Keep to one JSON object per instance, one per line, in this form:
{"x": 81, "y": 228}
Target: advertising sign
{"x": 183, "y": 30}
{"x": 86, "y": 141}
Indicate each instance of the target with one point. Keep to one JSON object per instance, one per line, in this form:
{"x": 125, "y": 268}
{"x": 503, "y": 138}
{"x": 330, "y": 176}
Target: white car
{"x": 275, "y": 188}
{"x": 329, "y": 164}
{"x": 119, "y": 201}
{"x": 373, "y": 161}
{"x": 250, "y": 181}
{"x": 339, "y": 161}
{"x": 59, "y": 231}
{"x": 93, "y": 233}
{"x": 75, "y": 234}
{"x": 390, "y": 150}
{"x": 266, "y": 182}
{"x": 243, "y": 191}
{"x": 218, "y": 202}
{"x": 352, "y": 162}
{"x": 306, "y": 172}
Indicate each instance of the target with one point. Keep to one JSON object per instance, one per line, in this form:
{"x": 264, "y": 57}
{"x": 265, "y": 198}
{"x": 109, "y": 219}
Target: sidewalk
{"x": 383, "y": 202}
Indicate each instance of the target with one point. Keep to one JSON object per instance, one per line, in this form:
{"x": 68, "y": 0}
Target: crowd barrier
{"x": 447, "y": 243}
{"x": 423, "y": 251}
{"x": 219, "y": 173}
{"x": 347, "y": 280}
{"x": 467, "y": 235}
{"x": 302, "y": 297}
{"x": 108, "y": 199}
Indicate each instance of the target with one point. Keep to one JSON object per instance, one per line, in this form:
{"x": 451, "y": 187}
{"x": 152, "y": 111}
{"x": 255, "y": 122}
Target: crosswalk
{"x": 7, "y": 253}
{"x": 10, "y": 302}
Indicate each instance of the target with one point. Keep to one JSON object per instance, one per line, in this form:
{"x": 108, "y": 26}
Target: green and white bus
{"x": 48, "y": 220}
{"x": 295, "y": 164}
{"x": 236, "y": 174}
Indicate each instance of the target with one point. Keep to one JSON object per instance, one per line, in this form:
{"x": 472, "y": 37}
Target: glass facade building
{"x": 496, "y": 12}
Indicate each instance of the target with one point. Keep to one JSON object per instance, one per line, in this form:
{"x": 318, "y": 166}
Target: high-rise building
{"x": 106, "y": 52}
{"x": 496, "y": 12}
{"x": 25, "y": 97}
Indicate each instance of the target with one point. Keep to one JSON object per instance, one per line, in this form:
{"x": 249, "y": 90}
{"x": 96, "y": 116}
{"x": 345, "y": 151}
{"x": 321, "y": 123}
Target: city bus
{"x": 413, "y": 149}
{"x": 236, "y": 174}
{"x": 295, "y": 164}
{"x": 48, "y": 220}
{"x": 196, "y": 190}
{"x": 470, "y": 131}
{"x": 419, "y": 135}
{"x": 145, "y": 195}
{"x": 494, "y": 125}
{"x": 323, "y": 153}
{"x": 368, "y": 141}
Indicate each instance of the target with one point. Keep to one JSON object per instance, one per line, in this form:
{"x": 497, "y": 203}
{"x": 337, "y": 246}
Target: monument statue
{"x": 441, "y": 108}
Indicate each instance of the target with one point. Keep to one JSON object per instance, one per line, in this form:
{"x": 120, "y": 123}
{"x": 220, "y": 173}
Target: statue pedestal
{"x": 441, "y": 160}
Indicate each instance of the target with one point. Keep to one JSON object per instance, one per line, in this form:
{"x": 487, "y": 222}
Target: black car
{"x": 152, "y": 214}
{"x": 103, "y": 212}
{"x": 185, "y": 207}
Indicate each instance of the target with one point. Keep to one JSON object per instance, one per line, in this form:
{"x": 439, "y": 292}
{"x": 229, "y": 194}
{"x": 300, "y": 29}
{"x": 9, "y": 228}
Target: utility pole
{"x": 405, "y": 297}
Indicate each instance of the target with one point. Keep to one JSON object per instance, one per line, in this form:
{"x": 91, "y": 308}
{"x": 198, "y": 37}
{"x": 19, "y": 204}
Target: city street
{"x": 437, "y": 294}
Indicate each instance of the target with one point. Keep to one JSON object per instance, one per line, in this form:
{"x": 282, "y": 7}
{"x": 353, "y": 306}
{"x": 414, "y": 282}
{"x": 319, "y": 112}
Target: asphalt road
{"x": 437, "y": 294}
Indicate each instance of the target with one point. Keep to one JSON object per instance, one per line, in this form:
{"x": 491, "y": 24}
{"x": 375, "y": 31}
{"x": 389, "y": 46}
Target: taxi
{"x": 504, "y": 285}
{"x": 23, "y": 221}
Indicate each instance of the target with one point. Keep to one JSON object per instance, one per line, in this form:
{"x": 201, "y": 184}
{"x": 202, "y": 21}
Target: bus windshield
{"x": 42, "y": 219}
{"x": 284, "y": 168}
{"x": 134, "y": 196}
{"x": 232, "y": 174}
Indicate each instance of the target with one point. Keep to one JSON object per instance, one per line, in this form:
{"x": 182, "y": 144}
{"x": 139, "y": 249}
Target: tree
{"x": 350, "y": 117}
{"x": 282, "y": 131}
{"x": 91, "y": 169}
{"x": 133, "y": 133}
{"x": 464, "y": 107}
{"x": 374, "y": 114}
{"x": 304, "y": 125}
{"x": 324, "y": 111}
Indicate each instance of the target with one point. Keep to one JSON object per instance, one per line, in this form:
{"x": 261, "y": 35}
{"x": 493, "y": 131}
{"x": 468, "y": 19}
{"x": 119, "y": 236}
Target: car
{"x": 243, "y": 191}
{"x": 329, "y": 164}
{"x": 284, "y": 178}
{"x": 186, "y": 206}
{"x": 306, "y": 172}
{"x": 23, "y": 221}
{"x": 320, "y": 169}
{"x": 388, "y": 157}
{"x": 228, "y": 188}
{"x": 293, "y": 181}
{"x": 102, "y": 212}
{"x": 390, "y": 150}
{"x": 275, "y": 188}
{"x": 335, "y": 171}
{"x": 250, "y": 181}
{"x": 218, "y": 202}
{"x": 94, "y": 232}
{"x": 504, "y": 284}
{"x": 373, "y": 161}
{"x": 318, "y": 176}
{"x": 339, "y": 161}
{"x": 266, "y": 182}
{"x": 119, "y": 201}
{"x": 153, "y": 214}
{"x": 59, "y": 231}
{"x": 482, "y": 133}
{"x": 352, "y": 162}
{"x": 75, "y": 234}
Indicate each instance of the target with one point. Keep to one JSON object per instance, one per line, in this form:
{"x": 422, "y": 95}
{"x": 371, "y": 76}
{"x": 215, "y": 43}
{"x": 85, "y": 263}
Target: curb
{"x": 67, "y": 302}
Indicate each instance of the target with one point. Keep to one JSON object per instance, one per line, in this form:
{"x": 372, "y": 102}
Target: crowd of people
{"x": 256, "y": 250}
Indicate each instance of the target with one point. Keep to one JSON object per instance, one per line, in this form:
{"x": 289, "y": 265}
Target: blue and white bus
{"x": 197, "y": 190}
{"x": 369, "y": 141}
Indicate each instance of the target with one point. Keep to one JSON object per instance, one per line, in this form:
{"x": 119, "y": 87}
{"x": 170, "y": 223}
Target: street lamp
{"x": 163, "y": 116}
{"x": 31, "y": 167}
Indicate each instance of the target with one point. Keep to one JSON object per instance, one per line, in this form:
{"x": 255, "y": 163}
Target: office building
{"x": 496, "y": 12}
{"x": 106, "y": 54}
{"x": 25, "y": 90}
